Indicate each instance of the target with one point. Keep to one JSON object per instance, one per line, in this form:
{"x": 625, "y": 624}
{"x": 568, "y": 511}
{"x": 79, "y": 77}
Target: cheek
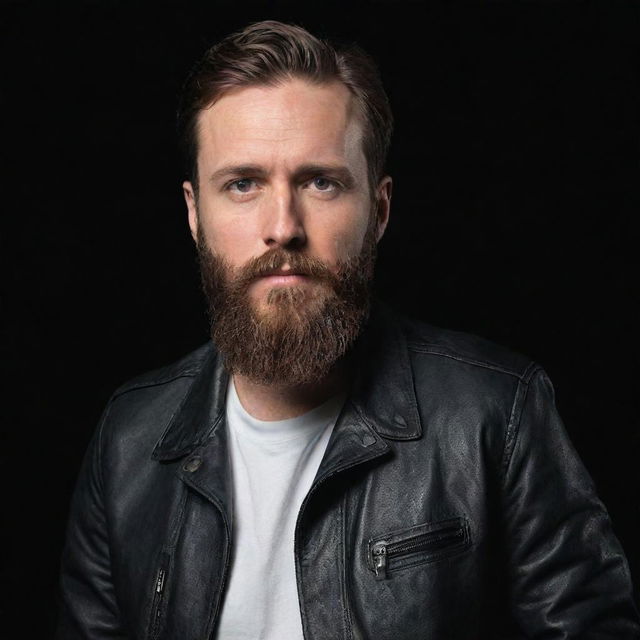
{"x": 347, "y": 241}
{"x": 345, "y": 246}
{"x": 228, "y": 239}
{"x": 339, "y": 228}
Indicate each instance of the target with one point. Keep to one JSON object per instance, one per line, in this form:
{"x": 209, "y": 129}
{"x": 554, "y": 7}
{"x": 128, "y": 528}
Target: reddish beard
{"x": 303, "y": 331}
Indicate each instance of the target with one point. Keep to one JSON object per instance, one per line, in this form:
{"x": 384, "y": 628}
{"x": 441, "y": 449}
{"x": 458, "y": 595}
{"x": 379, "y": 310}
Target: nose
{"x": 283, "y": 225}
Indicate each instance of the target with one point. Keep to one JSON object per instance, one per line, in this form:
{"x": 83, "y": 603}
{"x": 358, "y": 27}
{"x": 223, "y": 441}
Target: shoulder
{"x": 470, "y": 391}
{"x": 445, "y": 370}
{"x": 463, "y": 374}
{"x": 448, "y": 348}
{"x": 140, "y": 410}
{"x": 186, "y": 367}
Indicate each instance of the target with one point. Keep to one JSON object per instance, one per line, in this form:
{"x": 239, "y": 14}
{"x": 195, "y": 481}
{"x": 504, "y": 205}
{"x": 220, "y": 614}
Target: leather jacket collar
{"x": 382, "y": 398}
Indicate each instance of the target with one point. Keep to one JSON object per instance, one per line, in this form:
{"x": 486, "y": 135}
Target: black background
{"x": 515, "y": 161}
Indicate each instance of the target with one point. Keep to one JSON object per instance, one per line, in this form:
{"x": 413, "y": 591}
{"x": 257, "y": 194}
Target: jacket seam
{"x": 101, "y": 428}
{"x": 145, "y": 385}
{"x": 103, "y": 421}
{"x": 460, "y": 358}
{"x": 346, "y": 603}
{"x": 515, "y": 416}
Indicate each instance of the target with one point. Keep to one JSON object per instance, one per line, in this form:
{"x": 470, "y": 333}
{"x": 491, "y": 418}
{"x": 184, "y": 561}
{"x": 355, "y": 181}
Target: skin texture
{"x": 283, "y": 166}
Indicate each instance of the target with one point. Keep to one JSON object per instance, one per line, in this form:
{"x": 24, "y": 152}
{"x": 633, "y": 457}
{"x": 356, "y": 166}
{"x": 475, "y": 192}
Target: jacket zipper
{"x": 158, "y": 597}
{"x": 382, "y": 551}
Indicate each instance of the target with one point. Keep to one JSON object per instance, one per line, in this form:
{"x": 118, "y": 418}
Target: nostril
{"x": 295, "y": 243}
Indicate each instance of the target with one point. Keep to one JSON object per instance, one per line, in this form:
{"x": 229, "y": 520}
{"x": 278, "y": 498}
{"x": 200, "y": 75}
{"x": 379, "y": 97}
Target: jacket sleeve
{"x": 569, "y": 576}
{"x": 88, "y": 607}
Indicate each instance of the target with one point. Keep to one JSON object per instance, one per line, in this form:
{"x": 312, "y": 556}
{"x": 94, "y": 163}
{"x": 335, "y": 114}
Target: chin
{"x": 286, "y": 303}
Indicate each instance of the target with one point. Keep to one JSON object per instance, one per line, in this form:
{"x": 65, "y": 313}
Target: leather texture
{"x": 449, "y": 504}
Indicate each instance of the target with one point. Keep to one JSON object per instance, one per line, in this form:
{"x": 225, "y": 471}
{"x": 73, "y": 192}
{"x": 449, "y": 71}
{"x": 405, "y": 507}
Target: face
{"x": 283, "y": 167}
{"x": 285, "y": 221}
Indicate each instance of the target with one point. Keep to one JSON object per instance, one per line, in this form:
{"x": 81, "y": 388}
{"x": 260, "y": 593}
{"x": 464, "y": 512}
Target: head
{"x": 287, "y": 197}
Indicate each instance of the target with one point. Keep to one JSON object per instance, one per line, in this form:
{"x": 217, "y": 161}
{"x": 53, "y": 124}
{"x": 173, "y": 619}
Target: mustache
{"x": 272, "y": 261}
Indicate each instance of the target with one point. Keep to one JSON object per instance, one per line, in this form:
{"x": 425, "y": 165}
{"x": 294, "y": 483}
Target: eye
{"x": 320, "y": 183}
{"x": 243, "y": 185}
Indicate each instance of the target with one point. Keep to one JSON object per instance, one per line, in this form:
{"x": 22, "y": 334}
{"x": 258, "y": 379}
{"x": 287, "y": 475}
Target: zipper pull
{"x": 160, "y": 581}
{"x": 379, "y": 553}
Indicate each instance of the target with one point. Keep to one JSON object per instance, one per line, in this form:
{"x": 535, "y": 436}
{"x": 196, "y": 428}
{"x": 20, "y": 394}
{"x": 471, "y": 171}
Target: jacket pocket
{"x": 158, "y": 597}
{"x": 417, "y": 545}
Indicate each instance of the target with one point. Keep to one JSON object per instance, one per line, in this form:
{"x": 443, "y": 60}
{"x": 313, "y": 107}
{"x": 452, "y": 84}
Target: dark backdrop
{"x": 516, "y": 191}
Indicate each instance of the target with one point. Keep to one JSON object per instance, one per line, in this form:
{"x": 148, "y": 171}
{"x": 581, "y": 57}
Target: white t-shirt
{"x": 274, "y": 464}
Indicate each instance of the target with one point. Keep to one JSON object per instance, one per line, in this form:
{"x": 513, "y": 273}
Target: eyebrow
{"x": 339, "y": 172}
{"x": 237, "y": 171}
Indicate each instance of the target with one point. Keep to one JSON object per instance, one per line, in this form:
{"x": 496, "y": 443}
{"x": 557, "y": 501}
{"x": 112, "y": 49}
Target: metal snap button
{"x": 192, "y": 464}
{"x": 368, "y": 440}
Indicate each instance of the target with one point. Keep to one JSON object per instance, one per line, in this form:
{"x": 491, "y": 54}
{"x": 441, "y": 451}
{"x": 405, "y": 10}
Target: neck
{"x": 280, "y": 402}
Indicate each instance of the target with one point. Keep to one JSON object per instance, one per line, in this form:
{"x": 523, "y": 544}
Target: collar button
{"x": 368, "y": 440}
{"x": 193, "y": 464}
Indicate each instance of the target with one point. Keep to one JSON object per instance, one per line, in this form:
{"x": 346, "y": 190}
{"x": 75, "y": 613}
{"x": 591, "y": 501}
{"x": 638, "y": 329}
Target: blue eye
{"x": 243, "y": 185}
{"x": 323, "y": 184}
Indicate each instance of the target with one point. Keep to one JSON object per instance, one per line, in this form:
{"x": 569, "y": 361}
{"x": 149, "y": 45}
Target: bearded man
{"x": 324, "y": 468}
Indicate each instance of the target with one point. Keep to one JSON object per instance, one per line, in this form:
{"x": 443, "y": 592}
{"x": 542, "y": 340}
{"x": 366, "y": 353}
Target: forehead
{"x": 292, "y": 123}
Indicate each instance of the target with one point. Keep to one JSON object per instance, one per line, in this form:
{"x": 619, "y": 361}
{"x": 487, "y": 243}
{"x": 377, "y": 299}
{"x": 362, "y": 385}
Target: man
{"x": 324, "y": 468}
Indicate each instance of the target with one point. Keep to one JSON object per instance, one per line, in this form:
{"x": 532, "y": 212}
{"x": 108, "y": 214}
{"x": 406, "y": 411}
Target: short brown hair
{"x": 269, "y": 52}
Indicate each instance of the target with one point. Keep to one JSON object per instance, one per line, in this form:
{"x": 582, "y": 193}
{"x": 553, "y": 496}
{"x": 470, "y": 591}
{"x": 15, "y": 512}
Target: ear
{"x": 190, "y": 199}
{"x": 383, "y": 205}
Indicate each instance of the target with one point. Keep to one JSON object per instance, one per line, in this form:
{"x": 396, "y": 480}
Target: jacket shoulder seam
{"x": 188, "y": 367}
{"x": 519, "y": 399}
{"x": 427, "y": 349}
{"x": 101, "y": 428}
{"x": 144, "y": 384}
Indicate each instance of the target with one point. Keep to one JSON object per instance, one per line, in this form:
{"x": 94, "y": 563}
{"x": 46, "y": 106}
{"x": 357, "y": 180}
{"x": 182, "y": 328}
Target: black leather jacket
{"x": 449, "y": 505}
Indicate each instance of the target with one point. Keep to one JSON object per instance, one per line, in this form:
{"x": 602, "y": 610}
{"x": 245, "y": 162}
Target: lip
{"x": 284, "y": 277}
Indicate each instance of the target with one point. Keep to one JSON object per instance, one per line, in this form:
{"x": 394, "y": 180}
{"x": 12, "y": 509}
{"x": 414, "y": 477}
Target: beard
{"x": 298, "y": 334}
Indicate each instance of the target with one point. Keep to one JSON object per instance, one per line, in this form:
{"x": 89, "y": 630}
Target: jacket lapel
{"x": 199, "y": 415}
{"x": 197, "y": 433}
{"x": 382, "y": 403}
{"x": 383, "y": 388}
